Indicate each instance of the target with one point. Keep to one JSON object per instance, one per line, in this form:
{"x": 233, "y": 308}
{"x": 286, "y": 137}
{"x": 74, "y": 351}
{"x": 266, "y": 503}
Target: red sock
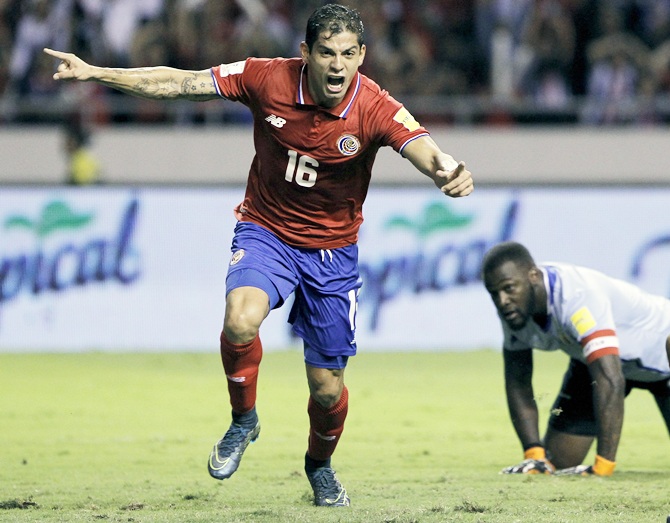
{"x": 326, "y": 426}
{"x": 241, "y": 365}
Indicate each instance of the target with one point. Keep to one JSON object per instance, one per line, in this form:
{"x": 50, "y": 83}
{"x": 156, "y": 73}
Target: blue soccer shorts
{"x": 325, "y": 283}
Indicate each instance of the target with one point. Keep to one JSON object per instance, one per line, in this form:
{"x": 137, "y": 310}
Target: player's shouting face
{"x": 332, "y": 64}
{"x": 513, "y": 290}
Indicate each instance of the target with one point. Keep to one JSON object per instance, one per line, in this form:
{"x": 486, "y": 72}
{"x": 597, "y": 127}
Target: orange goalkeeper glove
{"x": 601, "y": 467}
{"x": 535, "y": 462}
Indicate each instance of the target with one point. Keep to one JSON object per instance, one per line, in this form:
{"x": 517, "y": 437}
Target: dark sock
{"x": 247, "y": 420}
{"x": 312, "y": 464}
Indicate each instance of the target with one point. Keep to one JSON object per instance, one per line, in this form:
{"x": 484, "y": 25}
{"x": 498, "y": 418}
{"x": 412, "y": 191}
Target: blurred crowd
{"x": 603, "y": 61}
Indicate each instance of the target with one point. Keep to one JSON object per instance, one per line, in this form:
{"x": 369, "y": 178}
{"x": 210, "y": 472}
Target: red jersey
{"x": 312, "y": 168}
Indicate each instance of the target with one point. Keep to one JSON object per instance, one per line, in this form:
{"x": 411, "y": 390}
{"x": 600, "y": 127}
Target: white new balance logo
{"x": 277, "y": 121}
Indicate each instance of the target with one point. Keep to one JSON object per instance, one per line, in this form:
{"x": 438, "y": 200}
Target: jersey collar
{"x": 342, "y": 109}
{"x": 549, "y": 276}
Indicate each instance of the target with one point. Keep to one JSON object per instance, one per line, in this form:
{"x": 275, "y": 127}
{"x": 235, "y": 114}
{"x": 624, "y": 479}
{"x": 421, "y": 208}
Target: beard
{"x": 522, "y": 313}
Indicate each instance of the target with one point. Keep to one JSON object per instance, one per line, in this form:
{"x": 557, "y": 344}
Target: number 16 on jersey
{"x": 299, "y": 169}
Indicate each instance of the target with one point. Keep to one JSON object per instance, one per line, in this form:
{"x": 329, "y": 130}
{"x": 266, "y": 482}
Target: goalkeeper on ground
{"x": 617, "y": 337}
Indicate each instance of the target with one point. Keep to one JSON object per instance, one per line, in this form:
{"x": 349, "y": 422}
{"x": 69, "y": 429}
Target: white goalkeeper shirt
{"x": 591, "y": 314}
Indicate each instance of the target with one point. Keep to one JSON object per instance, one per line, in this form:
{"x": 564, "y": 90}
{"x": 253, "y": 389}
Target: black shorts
{"x": 573, "y": 412}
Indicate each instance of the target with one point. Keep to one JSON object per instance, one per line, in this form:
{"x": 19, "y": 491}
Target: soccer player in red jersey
{"x": 318, "y": 124}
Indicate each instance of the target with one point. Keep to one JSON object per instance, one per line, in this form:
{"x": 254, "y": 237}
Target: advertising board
{"x": 118, "y": 268}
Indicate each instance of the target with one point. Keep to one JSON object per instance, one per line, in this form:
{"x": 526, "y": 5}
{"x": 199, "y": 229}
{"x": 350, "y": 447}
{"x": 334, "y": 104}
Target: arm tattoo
{"x": 194, "y": 87}
{"x": 157, "y": 89}
{"x": 154, "y": 84}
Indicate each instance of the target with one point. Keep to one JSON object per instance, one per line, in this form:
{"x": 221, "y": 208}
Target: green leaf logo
{"x": 56, "y": 215}
{"x": 435, "y": 217}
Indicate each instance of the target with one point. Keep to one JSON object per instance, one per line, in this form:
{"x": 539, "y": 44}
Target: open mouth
{"x": 335, "y": 83}
{"x": 510, "y": 315}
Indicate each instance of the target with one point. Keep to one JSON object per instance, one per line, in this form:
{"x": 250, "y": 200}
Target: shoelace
{"x": 326, "y": 481}
{"x": 237, "y": 434}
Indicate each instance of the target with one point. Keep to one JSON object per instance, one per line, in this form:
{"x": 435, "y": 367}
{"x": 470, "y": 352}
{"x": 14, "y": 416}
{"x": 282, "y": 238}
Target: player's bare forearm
{"x": 520, "y": 396}
{"x": 523, "y": 412}
{"x": 427, "y": 157}
{"x": 524, "y": 416}
{"x": 450, "y": 176}
{"x": 161, "y": 83}
{"x": 609, "y": 393}
{"x": 609, "y": 433}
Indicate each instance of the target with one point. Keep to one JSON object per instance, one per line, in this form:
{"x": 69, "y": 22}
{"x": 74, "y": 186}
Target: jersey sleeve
{"x": 237, "y": 81}
{"x": 394, "y": 124}
{"x": 589, "y": 318}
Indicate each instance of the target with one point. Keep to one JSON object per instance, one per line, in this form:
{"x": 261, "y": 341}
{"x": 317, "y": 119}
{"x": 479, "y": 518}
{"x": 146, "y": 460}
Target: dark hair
{"x": 504, "y": 252}
{"x": 335, "y": 19}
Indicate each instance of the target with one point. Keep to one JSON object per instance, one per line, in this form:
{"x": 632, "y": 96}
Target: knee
{"x": 326, "y": 398}
{"x": 246, "y": 308}
{"x": 326, "y": 393}
{"x": 240, "y": 328}
{"x": 566, "y": 450}
{"x": 325, "y": 385}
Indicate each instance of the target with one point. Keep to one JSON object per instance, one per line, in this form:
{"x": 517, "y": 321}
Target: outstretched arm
{"x": 451, "y": 177}
{"x": 162, "y": 83}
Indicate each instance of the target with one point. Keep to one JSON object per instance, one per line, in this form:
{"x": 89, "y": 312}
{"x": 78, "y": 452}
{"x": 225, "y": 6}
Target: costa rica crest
{"x": 348, "y": 144}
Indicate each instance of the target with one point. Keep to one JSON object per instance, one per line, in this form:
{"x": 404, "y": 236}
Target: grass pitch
{"x": 125, "y": 438}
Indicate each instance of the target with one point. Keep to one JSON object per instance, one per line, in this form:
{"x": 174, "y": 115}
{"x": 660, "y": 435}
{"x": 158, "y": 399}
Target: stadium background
{"x": 559, "y": 108}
